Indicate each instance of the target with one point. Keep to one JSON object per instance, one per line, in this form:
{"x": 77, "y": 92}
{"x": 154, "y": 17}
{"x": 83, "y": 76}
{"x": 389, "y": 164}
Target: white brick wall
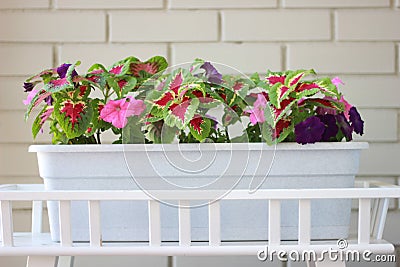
{"x": 365, "y": 58}
{"x": 23, "y": 4}
{"x": 334, "y": 3}
{"x": 208, "y": 4}
{"x": 268, "y": 25}
{"x": 172, "y": 26}
{"x": 53, "y": 27}
{"x": 357, "y": 40}
{"x": 24, "y": 59}
{"x": 371, "y": 25}
{"x": 106, "y": 4}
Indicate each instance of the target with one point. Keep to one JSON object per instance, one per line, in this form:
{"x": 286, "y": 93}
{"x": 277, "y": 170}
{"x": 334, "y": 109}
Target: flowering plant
{"x": 142, "y": 102}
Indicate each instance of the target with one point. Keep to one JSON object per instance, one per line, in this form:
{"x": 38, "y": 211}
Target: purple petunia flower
{"x": 331, "y": 128}
{"x": 212, "y": 74}
{"x": 356, "y": 122}
{"x": 309, "y": 131}
{"x": 62, "y": 70}
{"x": 344, "y": 126}
{"x": 49, "y": 100}
{"x": 28, "y": 87}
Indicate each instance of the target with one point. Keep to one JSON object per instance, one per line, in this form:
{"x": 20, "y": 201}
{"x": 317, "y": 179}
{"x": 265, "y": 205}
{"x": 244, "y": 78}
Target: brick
{"x": 108, "y": 54}
{"x": 14, "y": 129}
{"x": 372, "y": 91}
{"x": 380, "y": 125}
{"x": 15, "y": 160}
{"x": 53, "y": 27}
{"x": 246, "y": 58}
{"x": 19, "y": 4}
{"x": 160, "y": 26}
{"x": 205, "y": 4}
{"x": 106, "y": 4}
{"x": 351, "y": 58}
{"x": 334, "y": 3}
{"x": 380, "y": 159}
{"x": 371, "y": 25}
{"x": 24, "y": 59}
{"x": 262, "y": 25}
{"x": 11, "y": 93}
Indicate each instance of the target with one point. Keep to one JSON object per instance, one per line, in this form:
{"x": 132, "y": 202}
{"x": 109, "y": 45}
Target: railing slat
{"x": 379, "y": 218}
{"x": 274, "y": 222}
{"x": 65, "y": 223}
{"x": 154, "y": 223}
{"x": 6, "y": 222}
{"x": 304, "y": 221}
{"x": 94, "y": 223}
{"x": 37, "y": 216}
{"x": 364, "y": 215}
{"x": 214, "y": 221}
{"x": 184, "y": 223}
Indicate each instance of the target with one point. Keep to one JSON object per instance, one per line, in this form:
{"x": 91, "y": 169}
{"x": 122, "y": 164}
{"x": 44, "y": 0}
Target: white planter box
{"x": 217, "y": 166}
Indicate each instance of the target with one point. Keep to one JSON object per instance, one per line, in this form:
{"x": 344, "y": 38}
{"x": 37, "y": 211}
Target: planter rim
{"x": 195, "y": 146}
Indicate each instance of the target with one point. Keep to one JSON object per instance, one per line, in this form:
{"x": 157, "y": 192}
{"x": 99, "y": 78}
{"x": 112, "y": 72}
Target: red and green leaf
{"x": 180, "y": 114}
{"x": 200, "y": 127}
{"x": 74, "y": 117}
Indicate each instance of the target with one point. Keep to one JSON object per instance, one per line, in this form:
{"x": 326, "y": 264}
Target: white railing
{"x": 372, "y": 200}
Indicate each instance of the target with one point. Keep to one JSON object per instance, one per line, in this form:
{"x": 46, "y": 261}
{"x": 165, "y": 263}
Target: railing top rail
{"x": 37, "y": 192}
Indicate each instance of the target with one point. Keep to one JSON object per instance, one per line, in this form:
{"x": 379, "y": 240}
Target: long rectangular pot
{"x": 201, "y": 166}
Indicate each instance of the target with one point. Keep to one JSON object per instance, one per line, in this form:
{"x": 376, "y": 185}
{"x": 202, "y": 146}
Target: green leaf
{"x": 266, "y": 134}
{"x": 132, "y": 132}
{"x": 97, "y": 122}
{"x": 97, "y": 67}
{"x": 285, "y": 111}
{"x": 36, "y": 125}
{"x": 274, "y": 93}
{"x": 285, "y": 133}
{"x": 327, "y": 87}
{"x": 70, "y": 70}
{"x": 131, "y": 83}
{"x": 161, "y": 62}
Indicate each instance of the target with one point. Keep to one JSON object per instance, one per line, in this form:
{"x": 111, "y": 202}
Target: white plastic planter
{"x": 201, "y": 167}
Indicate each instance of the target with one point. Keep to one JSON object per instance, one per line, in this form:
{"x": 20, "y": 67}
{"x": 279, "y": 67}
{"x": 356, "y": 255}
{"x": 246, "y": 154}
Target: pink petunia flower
{"x": 117, "y": 111}
{"x": 347, "y": 107}
{"x": 336, "y": 81}
{"x": 257, "y": 113}
{"x": 30, "y": 96}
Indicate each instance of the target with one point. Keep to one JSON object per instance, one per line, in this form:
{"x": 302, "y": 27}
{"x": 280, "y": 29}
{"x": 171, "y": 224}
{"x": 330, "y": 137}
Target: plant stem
{"x": 98, "y": 137}
{"x": 227, "y": 135}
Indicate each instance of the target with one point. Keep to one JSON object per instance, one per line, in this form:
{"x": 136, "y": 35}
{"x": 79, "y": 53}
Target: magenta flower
{"x": 257, "y": 113}
{"x": 336, "y": 81}
{"x": 117, "y": 111}
{"x": 347, "y": 107}
{"x": 30, "y": 96}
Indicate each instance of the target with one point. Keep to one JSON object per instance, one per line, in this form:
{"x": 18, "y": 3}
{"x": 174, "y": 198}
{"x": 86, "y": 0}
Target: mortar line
{"x": 108, "y": 28}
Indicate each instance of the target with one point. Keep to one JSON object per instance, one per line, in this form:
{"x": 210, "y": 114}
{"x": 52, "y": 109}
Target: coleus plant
{"x": 144, "y": 102}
